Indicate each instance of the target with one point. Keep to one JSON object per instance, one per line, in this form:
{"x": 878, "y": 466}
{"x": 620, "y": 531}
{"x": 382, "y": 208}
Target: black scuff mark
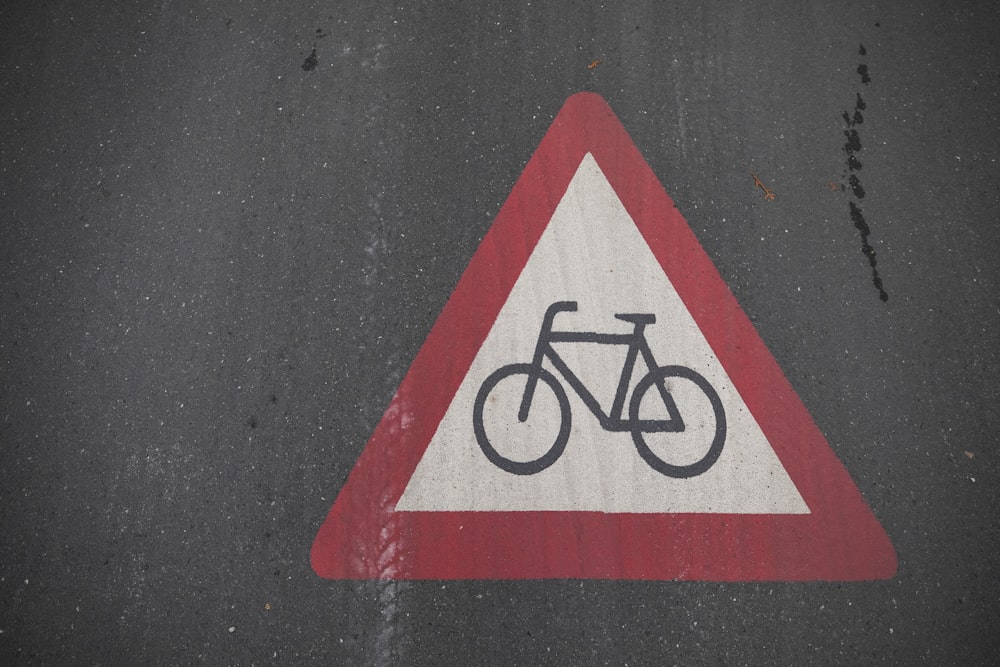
{"x": 856, "y": 187}
{"x": 311, "y": 62}
{"x": 853, "y": 146}
{"x": 866, "y": 248}
{"x": 863, "y": 71}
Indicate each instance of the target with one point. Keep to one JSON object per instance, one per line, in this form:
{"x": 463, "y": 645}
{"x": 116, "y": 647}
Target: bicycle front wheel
{"x": 696, "y": 433}
{"x": 495, "y": 419}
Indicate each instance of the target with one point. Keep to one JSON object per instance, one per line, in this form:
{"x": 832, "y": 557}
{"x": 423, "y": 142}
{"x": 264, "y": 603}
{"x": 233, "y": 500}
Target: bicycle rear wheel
{"x": 661, "y": 378}
{"x": 488, "y": 396}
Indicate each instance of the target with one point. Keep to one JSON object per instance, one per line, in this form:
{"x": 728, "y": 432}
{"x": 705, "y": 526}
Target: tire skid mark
{"x": 390, "y": 630}
{"x": 384, "y": 560}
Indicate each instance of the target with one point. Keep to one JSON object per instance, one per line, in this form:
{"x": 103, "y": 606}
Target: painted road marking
{"x": 589, "y": 224}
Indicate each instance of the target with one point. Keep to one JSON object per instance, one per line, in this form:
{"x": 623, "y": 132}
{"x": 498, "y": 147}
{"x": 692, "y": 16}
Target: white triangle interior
{"x": 591, "y": 252}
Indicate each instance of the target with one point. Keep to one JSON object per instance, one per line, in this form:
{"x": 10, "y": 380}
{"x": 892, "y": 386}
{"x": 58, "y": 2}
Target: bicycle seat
{"x": 637, "y": 318}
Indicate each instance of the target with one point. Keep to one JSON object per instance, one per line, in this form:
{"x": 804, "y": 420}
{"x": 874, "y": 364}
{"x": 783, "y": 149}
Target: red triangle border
{"x": 364, "y": 538}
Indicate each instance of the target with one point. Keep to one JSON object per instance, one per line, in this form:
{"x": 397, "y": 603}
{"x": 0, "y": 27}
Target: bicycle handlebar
{"x": 560, "y": 306}
{"x": 571, "y": 307}
{"x": 554, "y": 309}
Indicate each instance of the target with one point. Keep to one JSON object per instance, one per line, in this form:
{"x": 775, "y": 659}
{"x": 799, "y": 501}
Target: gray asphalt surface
{"x": 225, "y": 232}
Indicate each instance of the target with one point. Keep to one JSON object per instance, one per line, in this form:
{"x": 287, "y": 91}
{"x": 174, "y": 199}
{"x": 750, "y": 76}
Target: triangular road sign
{"x": 593, "y": 403}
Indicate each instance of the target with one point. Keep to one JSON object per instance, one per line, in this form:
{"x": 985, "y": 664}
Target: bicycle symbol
{"x": 663, "y": 378}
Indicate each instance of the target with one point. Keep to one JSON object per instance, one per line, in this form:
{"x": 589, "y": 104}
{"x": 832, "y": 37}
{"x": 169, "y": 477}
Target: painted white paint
{"x": 592, "y": 253}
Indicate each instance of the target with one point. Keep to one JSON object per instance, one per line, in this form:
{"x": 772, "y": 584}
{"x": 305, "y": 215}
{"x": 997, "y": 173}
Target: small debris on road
{"x": 768, "y": 193}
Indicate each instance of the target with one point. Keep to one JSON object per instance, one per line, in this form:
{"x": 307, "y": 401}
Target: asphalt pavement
{"x": 226, "y": 232}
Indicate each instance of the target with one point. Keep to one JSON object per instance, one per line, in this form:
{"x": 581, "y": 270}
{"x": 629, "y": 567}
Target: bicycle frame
{"x": 637, "y": 345}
